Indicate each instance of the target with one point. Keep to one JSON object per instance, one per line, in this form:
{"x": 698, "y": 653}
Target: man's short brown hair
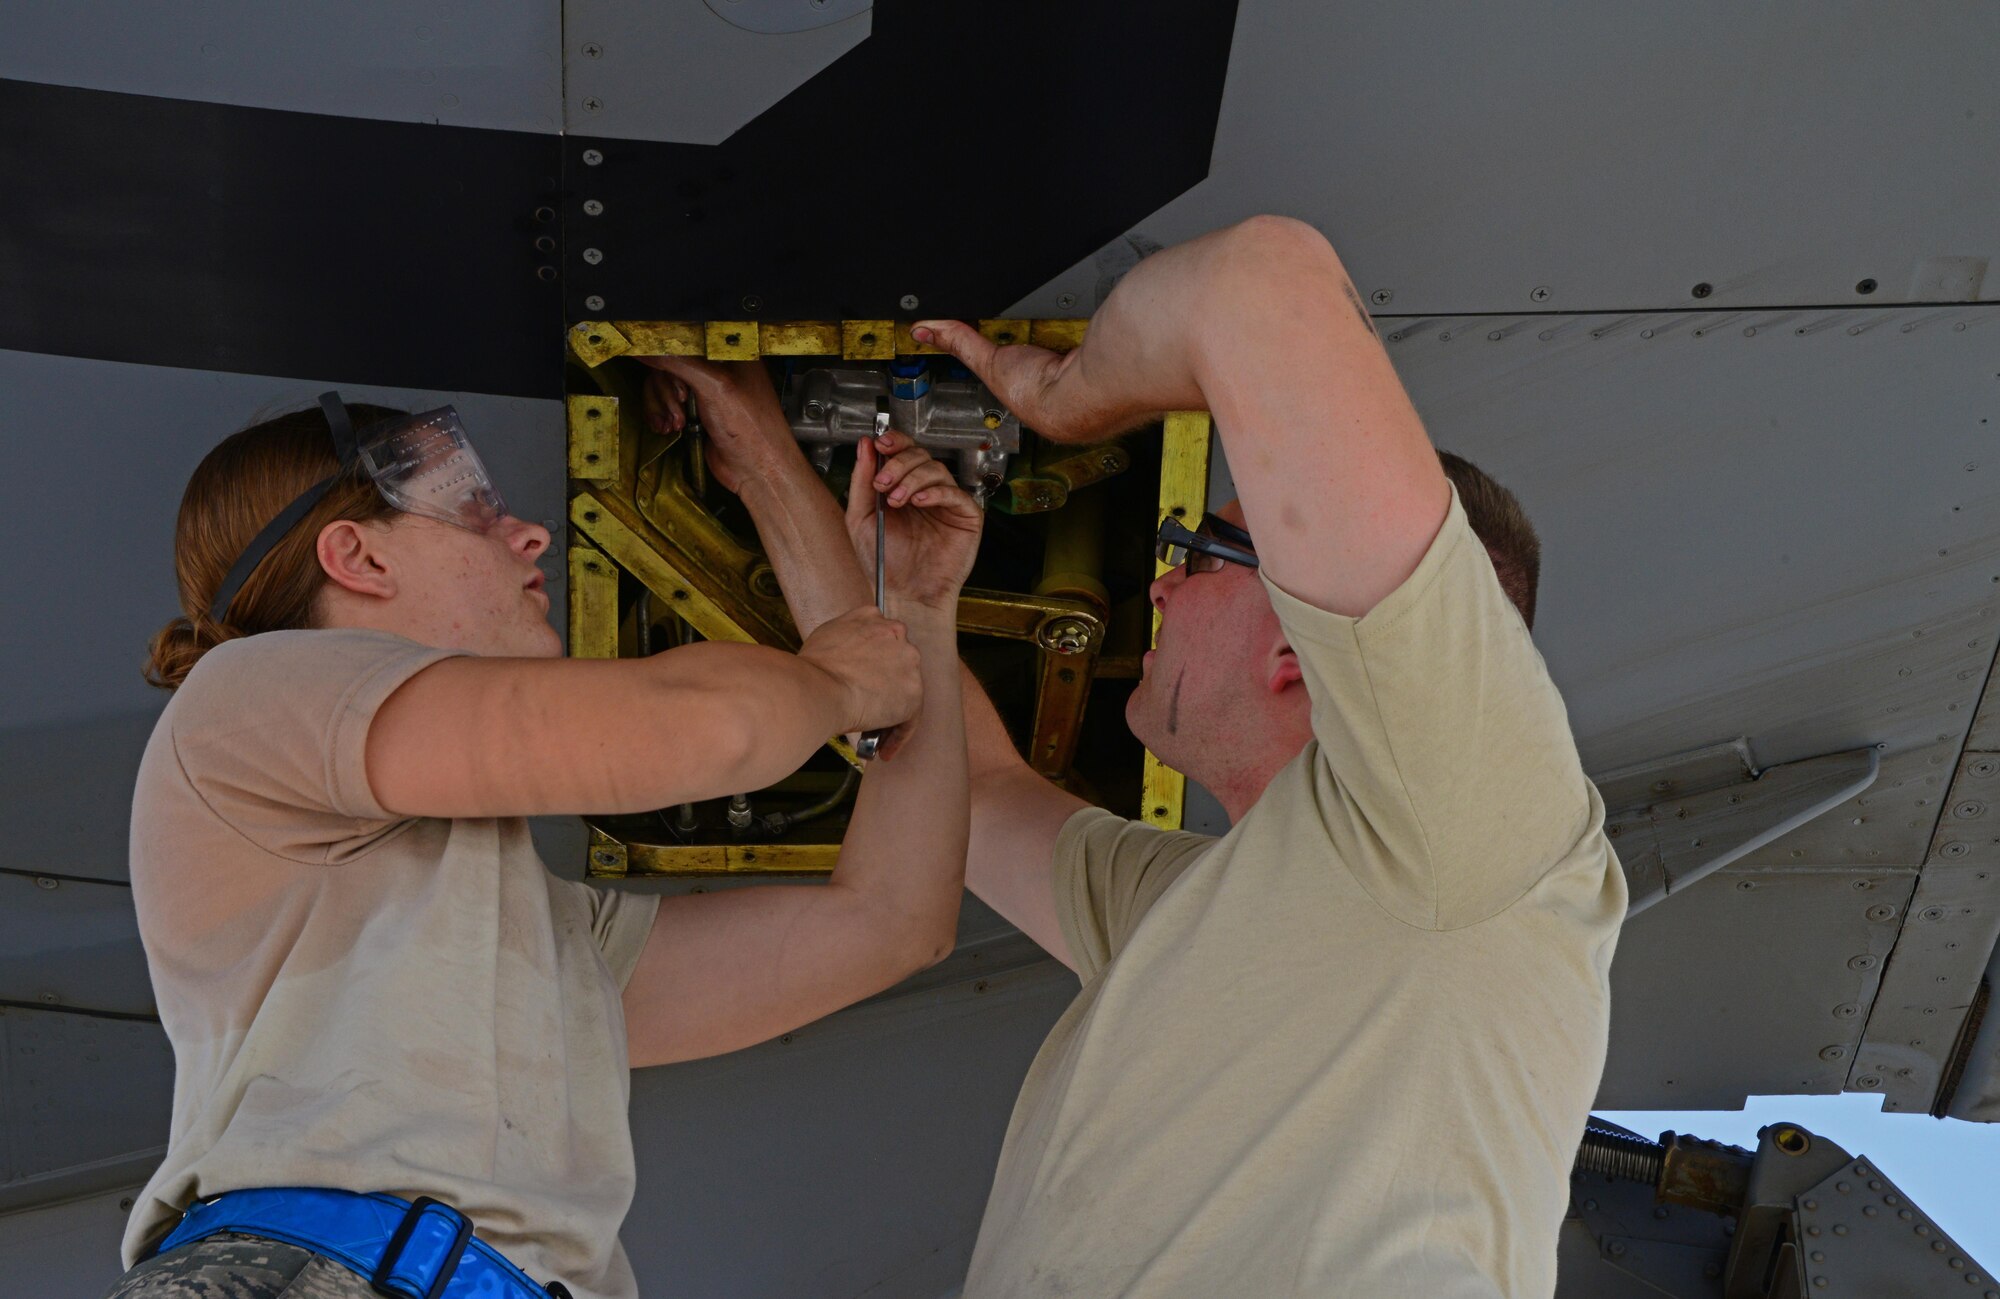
{"x": 1502, "y": 526}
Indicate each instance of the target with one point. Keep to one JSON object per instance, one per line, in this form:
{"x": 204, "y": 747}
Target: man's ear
{"x": 1283, "y": 671}
{"x": 353, "y": 558}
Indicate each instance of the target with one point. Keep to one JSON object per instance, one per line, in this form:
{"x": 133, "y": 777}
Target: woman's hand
{"x": 876, "y": 668}
{"x": 933, "y": 524}
{"x": 748, "y": 434}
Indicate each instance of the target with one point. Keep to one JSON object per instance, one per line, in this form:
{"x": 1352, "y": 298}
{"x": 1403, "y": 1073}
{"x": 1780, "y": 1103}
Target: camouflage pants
{"x": 240, "y": 1267}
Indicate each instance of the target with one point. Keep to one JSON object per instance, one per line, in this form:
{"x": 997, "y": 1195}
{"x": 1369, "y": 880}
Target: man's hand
{"x": 875, "y": 666}
{"x": 1038, "y": 385}
{"x": 748, "y": 435}
{"x": 933, "y": 525}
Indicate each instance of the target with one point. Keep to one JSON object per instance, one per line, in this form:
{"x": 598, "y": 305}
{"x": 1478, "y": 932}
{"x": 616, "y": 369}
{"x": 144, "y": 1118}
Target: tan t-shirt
{"x": 1348, "y": 1048}
{"x": 370, "y": 1002}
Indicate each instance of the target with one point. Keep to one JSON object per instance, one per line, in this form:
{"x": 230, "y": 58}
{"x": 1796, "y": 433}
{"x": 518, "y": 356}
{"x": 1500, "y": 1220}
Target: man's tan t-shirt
{"x": 367, "y": 1002}
{"x": 1348, "y": 1048}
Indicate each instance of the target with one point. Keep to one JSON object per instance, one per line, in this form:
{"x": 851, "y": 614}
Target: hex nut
{"x": 1066, "y": 636}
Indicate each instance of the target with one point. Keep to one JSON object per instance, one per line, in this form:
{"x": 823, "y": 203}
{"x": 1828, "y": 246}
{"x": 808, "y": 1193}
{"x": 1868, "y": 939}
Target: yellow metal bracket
{"x": 597, "y": 341}
{"x": 1183, "y": 495}
{"x": 609, "y": 524}
{"x": 593, "y": 605}
{"x": 593, "y": 438}
{"x": 734, "y": 340}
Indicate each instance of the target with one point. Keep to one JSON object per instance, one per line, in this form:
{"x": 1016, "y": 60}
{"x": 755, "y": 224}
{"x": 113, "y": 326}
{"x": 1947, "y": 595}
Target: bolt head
{"x": 44, "y": 882}
{"x": 593, "y": 255}
{"x": 907, "y": 302}
{"x": 594, "y": 302}
{"x": 1066, "y": 301}
{"x": 592, "y": 157}
{"x": 591, "y": 103}
{"x": 1540, "y": 293}
{"x": 591, "y": 207}
{"x": 592, "y": 50}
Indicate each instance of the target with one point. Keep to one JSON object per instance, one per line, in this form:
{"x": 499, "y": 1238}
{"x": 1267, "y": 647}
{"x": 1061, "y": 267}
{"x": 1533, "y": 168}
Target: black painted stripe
{"x": 258, "y": 241}
{"x": 965, "y": 153}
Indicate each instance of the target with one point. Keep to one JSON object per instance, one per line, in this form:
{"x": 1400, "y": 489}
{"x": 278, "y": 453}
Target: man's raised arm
{"x": 1260, "y": 325}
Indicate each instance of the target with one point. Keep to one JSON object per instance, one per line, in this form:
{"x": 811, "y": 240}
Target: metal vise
{"x": 939, "y": 406}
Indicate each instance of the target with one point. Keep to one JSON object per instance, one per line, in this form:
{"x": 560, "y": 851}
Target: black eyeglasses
{"x": 1219, "y": 542}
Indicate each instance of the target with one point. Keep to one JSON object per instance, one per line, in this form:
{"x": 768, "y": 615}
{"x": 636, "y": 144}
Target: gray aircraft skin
{"x": 1705, "y": 284}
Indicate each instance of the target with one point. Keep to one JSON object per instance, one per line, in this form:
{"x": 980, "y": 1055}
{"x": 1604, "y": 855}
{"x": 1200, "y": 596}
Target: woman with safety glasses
{"x": 401, "y": 1045}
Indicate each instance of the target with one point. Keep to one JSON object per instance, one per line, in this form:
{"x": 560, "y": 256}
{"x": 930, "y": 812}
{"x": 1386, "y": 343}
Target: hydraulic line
{"x": 777, "y": 823}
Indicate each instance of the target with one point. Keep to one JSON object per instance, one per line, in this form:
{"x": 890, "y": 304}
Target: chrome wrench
{"x": 871, "y": 742}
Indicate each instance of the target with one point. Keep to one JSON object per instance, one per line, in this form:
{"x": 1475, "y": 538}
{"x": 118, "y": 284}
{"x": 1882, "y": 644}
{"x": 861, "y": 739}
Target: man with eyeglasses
{"x": 1349, "y": 1047}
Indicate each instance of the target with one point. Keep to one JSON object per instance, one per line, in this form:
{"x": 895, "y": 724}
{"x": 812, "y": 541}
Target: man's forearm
{"x": 805, "y": 538}
{"x": 906, "y": 844}
{"x": 1016, "y": 817}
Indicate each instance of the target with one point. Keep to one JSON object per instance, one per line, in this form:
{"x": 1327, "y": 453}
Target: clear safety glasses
{"x": 1218, "y": 543}
{"x": 426, "y": 465}
{"x": 421, "y": 464}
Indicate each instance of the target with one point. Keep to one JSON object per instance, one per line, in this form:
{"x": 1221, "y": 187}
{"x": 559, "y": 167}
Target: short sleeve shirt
{"x": 1348, "y": 1048}
{"x": 370, "y": 1002}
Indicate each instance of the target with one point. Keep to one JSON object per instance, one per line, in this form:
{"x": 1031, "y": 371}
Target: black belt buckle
{"x": 386, "y": 1282}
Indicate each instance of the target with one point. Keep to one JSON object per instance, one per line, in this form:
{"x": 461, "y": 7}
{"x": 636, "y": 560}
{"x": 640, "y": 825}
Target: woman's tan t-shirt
{"x": 368, "y": 1002}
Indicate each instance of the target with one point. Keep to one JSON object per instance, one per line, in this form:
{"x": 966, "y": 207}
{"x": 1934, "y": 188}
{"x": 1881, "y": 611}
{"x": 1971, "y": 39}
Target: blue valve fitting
{"x": 909, "y": 378}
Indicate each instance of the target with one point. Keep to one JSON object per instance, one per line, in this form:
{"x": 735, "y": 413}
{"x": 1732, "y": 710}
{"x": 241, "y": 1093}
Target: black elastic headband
{"x": 341, "y": 426}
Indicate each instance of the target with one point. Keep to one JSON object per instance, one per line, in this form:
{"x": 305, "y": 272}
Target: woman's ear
{"x": 354, "y": 558}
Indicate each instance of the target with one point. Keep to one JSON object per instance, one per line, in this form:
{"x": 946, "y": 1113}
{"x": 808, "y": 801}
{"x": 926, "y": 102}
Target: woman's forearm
{"x": 800, "y": 526}
{"x": 733, "y": 718}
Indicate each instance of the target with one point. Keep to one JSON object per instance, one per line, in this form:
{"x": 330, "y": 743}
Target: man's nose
{"x": 1166, "y": 582}
{"x": 530, "y": 539}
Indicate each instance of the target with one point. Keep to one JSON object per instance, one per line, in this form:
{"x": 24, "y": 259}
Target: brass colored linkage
{"x": 1058, "y": 473}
